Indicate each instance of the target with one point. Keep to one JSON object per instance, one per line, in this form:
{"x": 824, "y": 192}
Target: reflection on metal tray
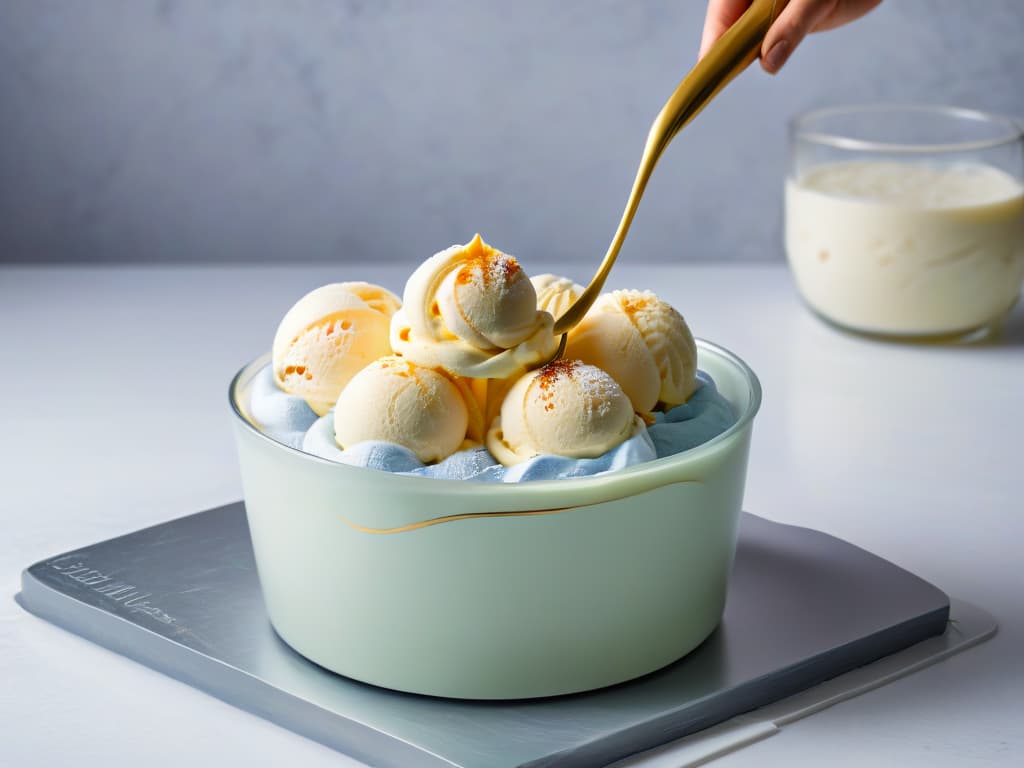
{"x": 183, "y": 597}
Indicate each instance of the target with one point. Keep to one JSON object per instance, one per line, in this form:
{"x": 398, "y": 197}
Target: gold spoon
{"x": 727, "y": 58}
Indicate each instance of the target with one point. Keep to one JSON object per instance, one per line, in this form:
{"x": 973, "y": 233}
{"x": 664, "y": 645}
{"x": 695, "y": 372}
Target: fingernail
{"x": 776, "y": 56}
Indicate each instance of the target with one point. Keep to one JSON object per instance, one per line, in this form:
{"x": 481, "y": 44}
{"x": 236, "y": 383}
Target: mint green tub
{"x": 495, "y": 591}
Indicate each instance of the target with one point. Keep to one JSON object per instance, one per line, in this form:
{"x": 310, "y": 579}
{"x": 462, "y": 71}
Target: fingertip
{"x": 773, "y": 59}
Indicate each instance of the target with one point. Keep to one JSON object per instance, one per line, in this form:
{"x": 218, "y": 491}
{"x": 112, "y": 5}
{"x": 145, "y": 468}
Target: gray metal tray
{"x": 183, "y": 598}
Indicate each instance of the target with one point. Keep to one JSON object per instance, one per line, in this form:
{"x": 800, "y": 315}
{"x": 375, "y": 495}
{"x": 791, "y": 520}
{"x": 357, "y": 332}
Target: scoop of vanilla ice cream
{"x": 643, "y": 342}
{"x": 487, "y": 300}
{"x": 472, "y": 311}
{"x": 555, "y": 294}
{"x": 566, "y": 408}
{"x": 328, "y": 336}
{"x": 399, "y": 402}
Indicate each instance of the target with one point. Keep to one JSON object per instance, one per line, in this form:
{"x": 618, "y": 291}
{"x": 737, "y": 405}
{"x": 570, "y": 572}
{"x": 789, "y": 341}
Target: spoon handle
{"x": 727, "y": 58}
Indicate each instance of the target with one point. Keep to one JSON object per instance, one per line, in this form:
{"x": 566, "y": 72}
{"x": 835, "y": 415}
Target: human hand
{"x": 797, "y": 19}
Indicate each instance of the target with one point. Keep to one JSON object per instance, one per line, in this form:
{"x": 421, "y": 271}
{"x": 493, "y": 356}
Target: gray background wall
{"x": 235, "y": 130}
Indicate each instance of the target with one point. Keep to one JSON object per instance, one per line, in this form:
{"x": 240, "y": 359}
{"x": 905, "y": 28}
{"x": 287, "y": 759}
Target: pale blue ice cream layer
{"x": 284, "y": 417}
{"x": 288, "y": 419}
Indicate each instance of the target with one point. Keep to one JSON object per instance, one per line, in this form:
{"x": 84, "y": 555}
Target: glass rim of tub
{"x": 742, "y": 378}
{"x": 992, "y": 130}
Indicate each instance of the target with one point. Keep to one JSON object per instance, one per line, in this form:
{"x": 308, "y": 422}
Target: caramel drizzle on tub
{"x": 470, "y": 515}
{"x": 452, "y": 518}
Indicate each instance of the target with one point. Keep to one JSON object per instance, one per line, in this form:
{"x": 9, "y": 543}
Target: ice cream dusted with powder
{"x": 643, "y": 343}
{"x": 566, "y": 408}
{"x": 461, "y": 381}
{"x": 472, "y": 311}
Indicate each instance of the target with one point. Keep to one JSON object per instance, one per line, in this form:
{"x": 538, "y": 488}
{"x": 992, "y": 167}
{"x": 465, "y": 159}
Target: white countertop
{"x": 114, "y": 416}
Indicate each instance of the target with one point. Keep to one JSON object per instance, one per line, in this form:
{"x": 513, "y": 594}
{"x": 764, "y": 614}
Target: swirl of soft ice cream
{"x": 471, "y": 310}
{"x": 555, "y": 294}
{"x": 328, "y": 336}
{"x": 395, "y": 401}
{"x": 566, "y": 408}
{"x": 643, "y": 342}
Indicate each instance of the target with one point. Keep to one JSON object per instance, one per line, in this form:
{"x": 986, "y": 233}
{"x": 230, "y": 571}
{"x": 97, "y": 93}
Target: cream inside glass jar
{"x": 906, "y": 221}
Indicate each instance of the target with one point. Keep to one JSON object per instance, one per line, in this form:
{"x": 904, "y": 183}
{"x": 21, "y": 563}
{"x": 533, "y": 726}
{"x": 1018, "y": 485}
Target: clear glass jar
{"x": 906, "y": 221}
